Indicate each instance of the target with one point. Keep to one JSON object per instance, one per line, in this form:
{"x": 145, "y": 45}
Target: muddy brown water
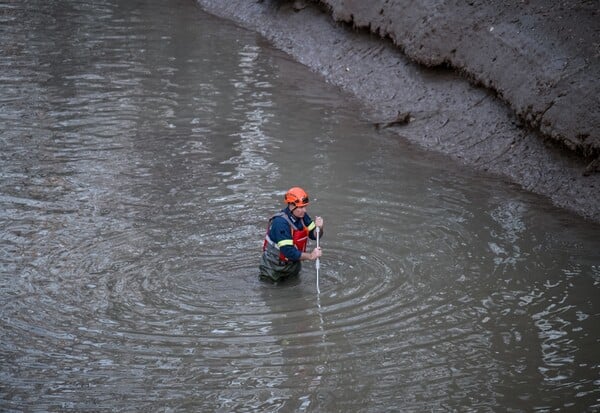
{"x": 143, "y": 147}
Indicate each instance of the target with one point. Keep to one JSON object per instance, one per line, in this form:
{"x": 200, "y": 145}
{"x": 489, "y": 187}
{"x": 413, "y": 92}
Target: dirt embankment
{"x": 420, "y": 66}
{"x": 542, "y": 57}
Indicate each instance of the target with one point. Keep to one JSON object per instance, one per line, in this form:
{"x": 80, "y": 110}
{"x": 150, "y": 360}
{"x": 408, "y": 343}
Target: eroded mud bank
{"x": 541, "y": 57}
{"x": 496, "y": 107}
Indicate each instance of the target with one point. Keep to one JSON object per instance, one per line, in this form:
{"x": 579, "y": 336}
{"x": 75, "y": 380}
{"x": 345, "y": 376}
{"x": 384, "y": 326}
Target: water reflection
{"x": 144, "y": 146}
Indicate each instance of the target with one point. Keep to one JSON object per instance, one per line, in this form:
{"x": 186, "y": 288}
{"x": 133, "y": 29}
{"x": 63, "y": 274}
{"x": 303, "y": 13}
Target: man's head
{"x": 297, "y": 200}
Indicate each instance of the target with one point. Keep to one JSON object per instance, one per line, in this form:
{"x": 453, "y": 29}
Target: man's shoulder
{"x": 280, "y": 218}
{"x": 280, "y": 227}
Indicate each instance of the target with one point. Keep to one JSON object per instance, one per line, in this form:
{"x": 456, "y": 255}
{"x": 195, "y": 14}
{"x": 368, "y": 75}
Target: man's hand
{"x": 316, "y": 253}
{"x": 319, "y": 222}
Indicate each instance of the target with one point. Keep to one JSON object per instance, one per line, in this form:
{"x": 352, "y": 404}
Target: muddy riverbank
{"x": 508, "y": 89}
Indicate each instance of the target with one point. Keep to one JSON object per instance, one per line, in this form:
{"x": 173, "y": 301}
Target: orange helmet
{"x": 296, "y": 196}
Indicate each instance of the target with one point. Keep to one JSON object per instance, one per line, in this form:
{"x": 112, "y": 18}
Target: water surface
{"x": 144, "y": 146}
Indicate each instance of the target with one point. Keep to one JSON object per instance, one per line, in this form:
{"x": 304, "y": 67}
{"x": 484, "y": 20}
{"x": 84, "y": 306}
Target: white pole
{"x": 318, "y": 264}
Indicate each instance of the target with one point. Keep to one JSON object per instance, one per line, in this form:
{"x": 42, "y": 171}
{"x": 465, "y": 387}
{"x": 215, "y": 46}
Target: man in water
{"x": 287, "y": 236}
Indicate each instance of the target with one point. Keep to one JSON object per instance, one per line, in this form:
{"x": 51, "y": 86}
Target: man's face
{"x": 299, "y": 211}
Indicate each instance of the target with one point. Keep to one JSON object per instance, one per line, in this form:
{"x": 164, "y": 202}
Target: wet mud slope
{"x": 510, "y": 88}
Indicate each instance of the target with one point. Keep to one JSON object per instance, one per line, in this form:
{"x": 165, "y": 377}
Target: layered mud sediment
{"x": 541, "y": 57}
{"x": 506, "y": 87}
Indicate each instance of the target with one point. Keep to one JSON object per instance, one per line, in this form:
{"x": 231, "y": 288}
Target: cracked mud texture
{"x": 510, "y": 88}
